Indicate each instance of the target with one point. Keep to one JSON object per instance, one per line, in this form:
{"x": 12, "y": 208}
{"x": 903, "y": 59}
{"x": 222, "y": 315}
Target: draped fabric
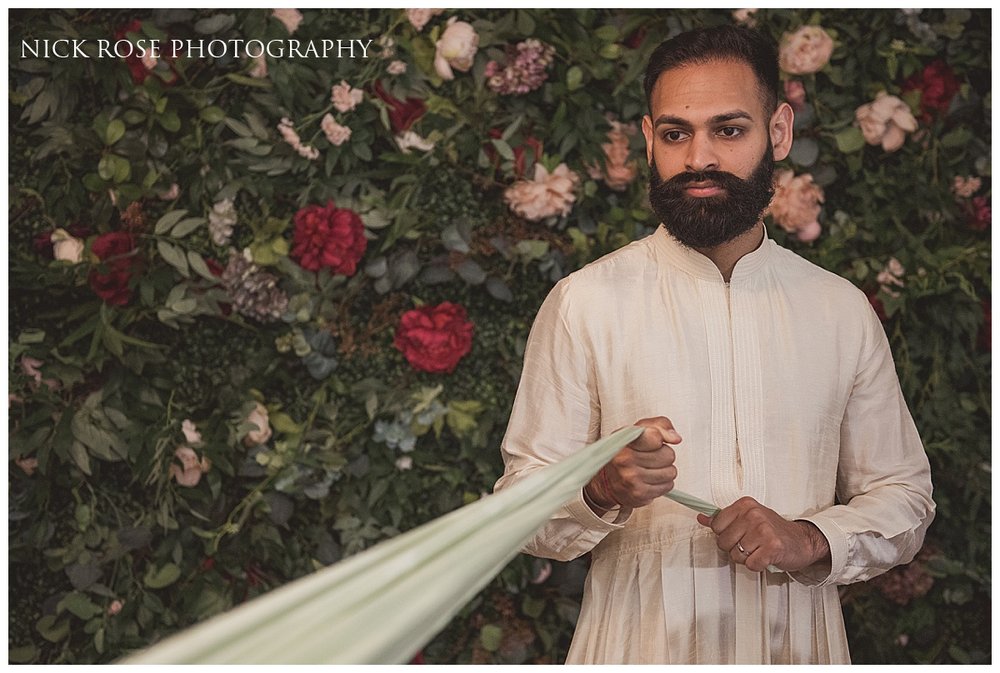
{"x": 782, "y": 385}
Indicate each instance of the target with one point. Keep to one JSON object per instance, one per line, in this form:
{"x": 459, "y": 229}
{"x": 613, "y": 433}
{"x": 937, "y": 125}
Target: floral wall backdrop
{"x": 268, "y": 306}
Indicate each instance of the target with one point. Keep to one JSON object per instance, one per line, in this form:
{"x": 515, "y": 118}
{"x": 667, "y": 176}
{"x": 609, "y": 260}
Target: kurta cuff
{"x": 612, "y": 520}
{"x": 820, "y": 574}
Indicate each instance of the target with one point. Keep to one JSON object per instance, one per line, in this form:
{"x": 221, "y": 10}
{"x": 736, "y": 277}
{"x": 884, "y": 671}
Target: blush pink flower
{"x": 891, "y": 275}
{"x": 191, "y": 434}
{"x": 337, "y": 134}
{"x": 619, "y": 171}
{"x": 795, "y": 94}
{"x": 259, "y": 418}
{"x": 189, "y": 472}
{"x": 396, "y": 67}
{"x": 344, "y": 98}
{"x": 796, "y": 204}
{"x": 65, "y": 247}
{"x": 805, "y": 51}
{"x": 27, "y": 465}
{"x": 456, "y": 48}
{"x": 885, "y": 121}
{"x": 419, "y": 17}
{"x": 290, "y": 18}
{"x": 965, "y": 187}
{"x": 547, "y": 195}
{"x": 287, "y": 129}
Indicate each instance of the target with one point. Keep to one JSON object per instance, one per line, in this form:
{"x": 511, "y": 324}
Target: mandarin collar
{"x": 698, "y": 265}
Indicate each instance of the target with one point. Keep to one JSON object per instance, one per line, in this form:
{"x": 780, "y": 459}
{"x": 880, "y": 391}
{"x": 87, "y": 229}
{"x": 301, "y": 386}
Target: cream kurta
{"x": 783, "y": 387}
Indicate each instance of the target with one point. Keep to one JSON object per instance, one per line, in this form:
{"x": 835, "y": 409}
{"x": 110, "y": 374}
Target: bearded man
{"x": 777, "y": 374}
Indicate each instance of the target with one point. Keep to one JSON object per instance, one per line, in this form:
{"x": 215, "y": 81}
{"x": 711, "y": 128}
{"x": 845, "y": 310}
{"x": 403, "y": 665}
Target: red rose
{"x": 531, "y": 143}
{"x": 110, "y": 280}
{"x": 329, "y": 236}
{"x": 402, "y": 114}
{"x": 135, "y": 65}
{"x": 434, "y": 338}
{"x": 937, "y": 85}
{"x": 978, "y": 213}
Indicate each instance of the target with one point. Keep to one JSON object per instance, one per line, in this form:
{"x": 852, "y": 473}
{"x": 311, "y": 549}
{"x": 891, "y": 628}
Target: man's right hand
{"x": 641, "y": 472}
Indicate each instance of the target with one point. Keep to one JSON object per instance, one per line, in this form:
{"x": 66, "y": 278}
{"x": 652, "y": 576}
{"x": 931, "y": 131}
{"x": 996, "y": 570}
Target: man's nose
{"x": 701, "y": 155}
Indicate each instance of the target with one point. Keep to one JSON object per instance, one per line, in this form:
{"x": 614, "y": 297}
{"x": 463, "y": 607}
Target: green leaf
{"x": 24, "y": 654}
{"x": 174, "y": 256}
{"x": 199, "y": 267}
{"x": 106, "y": 167}
{"x": 185, "y": 227}
{"x": 850, "y": 140}
{"x": 215, "y": 24}
{"x": 248, "y": 81}
{"x": 212, "y": 114}
{"x": 163, "y": 577}
{"x": 78, "y": 453}
{"x": 491, "y": 637}
{"x": 169, "y": 121}
{"x": 78, "y": 604}
{"x": 164, "y": 224}
{"x": 503, "y": 148}
{"x": 114, "y": 132}
{"x": 574, "y": 78}
{"x": 52, "y": 629}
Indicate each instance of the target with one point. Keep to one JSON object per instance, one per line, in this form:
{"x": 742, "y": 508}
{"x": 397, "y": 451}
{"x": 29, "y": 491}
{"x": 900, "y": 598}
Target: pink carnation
{"x": 344, "y": 98}
{"x": 337, "y": 134}
{"x": 795, "y": 206}
{"x": 419, "y": 17}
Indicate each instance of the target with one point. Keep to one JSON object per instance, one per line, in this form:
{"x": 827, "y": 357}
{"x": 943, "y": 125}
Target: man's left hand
{"x": 758, "y": 537}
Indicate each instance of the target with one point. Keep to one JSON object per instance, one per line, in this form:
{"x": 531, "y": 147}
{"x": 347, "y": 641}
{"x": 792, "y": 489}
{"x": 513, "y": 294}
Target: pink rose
{"x": 396, "y": 68}
{"x": 619, "y": 172}
{"x": 805, "y": 51}
{"x": 290, "y": 18}
{"x": 189, "y": 472}
{"x": 29, "y": 366}
{"x": 337, "y": 134}
{"x": 455, "y": 49}
{"x": 795, "y": 94}
{"x": 260, "y": 419}
{"x": 191, "y": 434}
{"x": 419, "y": 17}
{"x": 795, "y": 206}
{"x": 547, "y": 195}
{"x": 886, "y": 121}
{"x": 344, "y": 98}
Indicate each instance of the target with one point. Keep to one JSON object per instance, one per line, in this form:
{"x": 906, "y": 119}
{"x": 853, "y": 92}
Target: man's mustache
{"x": 717, "y": 178}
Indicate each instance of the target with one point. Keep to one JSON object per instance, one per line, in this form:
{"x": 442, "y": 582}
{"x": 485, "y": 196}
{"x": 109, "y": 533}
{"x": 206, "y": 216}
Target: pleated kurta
{"x": 783, "y": 387}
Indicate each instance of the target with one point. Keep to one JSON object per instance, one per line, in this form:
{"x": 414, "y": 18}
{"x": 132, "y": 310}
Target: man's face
{"x": 708, "y": 142}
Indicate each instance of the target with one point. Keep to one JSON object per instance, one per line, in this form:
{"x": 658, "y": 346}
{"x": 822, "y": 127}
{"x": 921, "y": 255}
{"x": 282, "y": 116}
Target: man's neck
{"x": 726, "y": 255}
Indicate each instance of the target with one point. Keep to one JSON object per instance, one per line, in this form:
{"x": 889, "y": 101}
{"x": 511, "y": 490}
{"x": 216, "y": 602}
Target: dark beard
{"x": 705, "y": 222}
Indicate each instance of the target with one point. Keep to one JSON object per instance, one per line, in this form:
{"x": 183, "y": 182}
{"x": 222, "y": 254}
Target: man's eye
{"x": 673, "y": 136}
{"x": 730, "y": 131}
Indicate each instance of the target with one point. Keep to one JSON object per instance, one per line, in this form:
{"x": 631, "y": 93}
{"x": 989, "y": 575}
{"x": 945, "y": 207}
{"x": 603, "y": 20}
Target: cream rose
{"x": 806, "y": 50}
{"x": 796, "y": 204}
{"x": 410, "y": 140}
{"x": 66, "y": 248}
{"x": 885, "y": 121}
{"x": 344, "y": 98}
{"x": 547, "y": 195}
{"x": 337, "y": 134}
{"x": 259, "y": 418}
{"x": 456, "y": 48}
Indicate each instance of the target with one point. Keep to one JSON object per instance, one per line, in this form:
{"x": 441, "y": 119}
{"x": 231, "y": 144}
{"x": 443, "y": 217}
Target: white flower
{"x": 66, "y": 248}
{"x": 456, "y": 48}
{"x": 336, "y": 133}
{"x": 410, "y": 140}
{"x": 191, "y": 434}
{"x": 291, "y": 18}
{"x": 396, "y": 68}
{"x": 221, "y": 220}
{"x": 404, "y": 463}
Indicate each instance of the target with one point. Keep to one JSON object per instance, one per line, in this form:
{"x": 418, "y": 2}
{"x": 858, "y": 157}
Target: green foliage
{"x": 109, "y": 550}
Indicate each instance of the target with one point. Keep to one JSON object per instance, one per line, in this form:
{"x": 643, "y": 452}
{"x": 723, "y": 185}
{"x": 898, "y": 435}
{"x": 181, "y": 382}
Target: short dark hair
{"x": 736, "y": 43}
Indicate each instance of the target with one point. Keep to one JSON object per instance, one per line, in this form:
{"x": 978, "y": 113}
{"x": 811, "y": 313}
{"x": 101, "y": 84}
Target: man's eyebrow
{"x": 717, "y": 119}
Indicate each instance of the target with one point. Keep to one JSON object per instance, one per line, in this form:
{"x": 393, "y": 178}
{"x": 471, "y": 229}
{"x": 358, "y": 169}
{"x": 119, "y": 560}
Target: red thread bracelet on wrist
{"x": 606, "y": 487}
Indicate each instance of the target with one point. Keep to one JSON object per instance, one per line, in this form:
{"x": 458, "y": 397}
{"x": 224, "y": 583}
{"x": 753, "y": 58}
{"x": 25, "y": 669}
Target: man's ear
{"x": 780, "y": 129}
{"x": 647, "y": 130}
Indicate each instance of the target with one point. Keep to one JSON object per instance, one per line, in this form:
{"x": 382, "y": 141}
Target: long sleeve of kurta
{"x": 783, "y": 388}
